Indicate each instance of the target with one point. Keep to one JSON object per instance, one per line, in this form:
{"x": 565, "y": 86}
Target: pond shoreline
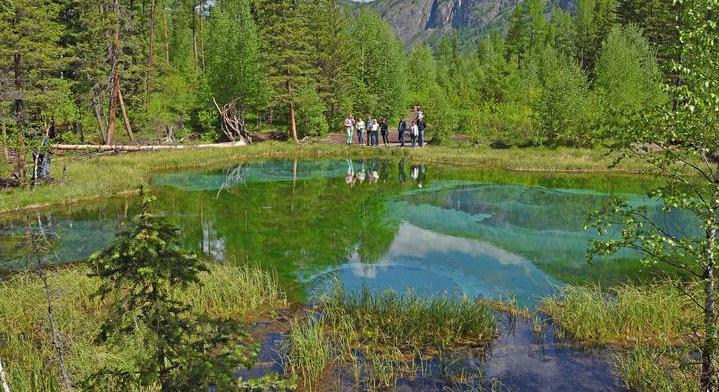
{"x": 93, "y": 178}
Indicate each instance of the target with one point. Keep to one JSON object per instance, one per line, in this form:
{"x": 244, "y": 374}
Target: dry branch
{"x": 123, "y": 148}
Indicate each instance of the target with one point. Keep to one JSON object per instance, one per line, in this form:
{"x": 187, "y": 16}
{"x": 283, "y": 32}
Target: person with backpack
{"x": 384, "y": 128}
{"x": 360, "y": 125}
{"x": 401, "y": 128}
{"x": 349, "y": 128}
{"x": 414, "y": 134}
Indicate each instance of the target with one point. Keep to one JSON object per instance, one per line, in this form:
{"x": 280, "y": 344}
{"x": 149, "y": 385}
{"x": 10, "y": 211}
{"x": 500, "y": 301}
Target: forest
{"x": 122, "y": 71}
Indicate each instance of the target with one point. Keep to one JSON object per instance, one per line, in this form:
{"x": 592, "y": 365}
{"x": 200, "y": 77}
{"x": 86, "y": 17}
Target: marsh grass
{"x": 26, "y": 345}
{"x": 658, "y": 370}
{"x": 309, "y": 352}
{"x": 625, "y": 315}
{"x": 406, "y": 323}
{"x": 91, "y": 177}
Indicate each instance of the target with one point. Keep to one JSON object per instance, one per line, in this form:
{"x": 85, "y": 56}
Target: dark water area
{"x": 388, "y": 224}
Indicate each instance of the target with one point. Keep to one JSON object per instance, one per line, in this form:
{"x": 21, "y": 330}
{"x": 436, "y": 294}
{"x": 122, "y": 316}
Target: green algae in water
{"x": 430, "y": 228}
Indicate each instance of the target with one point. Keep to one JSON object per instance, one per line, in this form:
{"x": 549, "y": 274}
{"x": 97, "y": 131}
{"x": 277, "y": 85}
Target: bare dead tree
{"x": 232, "y": 122}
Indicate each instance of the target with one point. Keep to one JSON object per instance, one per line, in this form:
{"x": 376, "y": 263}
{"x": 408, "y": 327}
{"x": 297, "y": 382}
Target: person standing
{"x": 370, "y": 122}
{"x": 360, "y": 131}
{"x": 401, "y": 128}
{"x": 415, "y": 133}
{"x": 375, "y": 133}
{"x": 421, "y": 125}
{"x": 384, "y": 128}
{"x": 349, "y": 128}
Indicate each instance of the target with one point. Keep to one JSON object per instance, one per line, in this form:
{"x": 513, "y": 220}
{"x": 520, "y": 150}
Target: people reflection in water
{"x": 350, "y": 178}
{"x": 401, "y": 174}
{"x": 418, "y": 173}
{"x": 362, "y": 175}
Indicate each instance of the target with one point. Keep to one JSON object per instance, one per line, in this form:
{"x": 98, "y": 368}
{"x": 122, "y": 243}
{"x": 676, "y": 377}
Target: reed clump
{"x": 406, "y": 322}
{"x": 309, "y": 353}
{"x": 626, "y": 315}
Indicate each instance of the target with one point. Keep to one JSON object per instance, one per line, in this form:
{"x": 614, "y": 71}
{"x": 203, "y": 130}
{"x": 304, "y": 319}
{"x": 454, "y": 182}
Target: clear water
{"x": 388, "y": 224}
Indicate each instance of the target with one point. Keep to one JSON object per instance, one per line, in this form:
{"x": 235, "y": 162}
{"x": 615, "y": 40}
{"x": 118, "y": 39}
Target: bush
{"x": 509, "y": 123}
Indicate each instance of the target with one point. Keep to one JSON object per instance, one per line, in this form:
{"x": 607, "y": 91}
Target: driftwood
{"x": 3, "y": 379}
{"x": 123, "y": 148}
{"x": 232, "y": 122}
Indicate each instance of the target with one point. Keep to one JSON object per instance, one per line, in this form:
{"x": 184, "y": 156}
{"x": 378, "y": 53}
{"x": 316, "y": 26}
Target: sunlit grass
{"x": 309, "y": 353}
{"x": 658, "y": 370}
{"x": 406, "y": 322}
{"x": 627, "y": 314}
{"x": 237, "y": 293}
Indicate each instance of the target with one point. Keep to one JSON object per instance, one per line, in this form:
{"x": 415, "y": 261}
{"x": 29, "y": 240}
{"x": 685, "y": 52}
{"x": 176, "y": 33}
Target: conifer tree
{"x": 286, "y": 52}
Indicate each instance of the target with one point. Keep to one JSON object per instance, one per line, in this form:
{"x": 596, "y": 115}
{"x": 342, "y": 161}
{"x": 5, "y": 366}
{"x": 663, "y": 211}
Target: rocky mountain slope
{"x": 421, "y": 20}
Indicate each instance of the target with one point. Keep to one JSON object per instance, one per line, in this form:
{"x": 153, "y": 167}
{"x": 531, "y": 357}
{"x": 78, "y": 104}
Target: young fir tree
{"x": 284, "y": 36}
{"x": 141, "y": 276}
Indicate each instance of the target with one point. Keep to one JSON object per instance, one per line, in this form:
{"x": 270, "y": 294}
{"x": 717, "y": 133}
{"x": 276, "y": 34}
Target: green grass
{"x": 658, "y": 370}
{"x": 241, "y": 294}
{"x": 101, "y": 177}
{"x": 406, "y": 323}
{"x": 309, "y": 352}
{"x": 625, "y": 315}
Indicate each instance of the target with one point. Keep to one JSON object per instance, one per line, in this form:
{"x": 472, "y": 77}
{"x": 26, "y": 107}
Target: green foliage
{"x": 381, "y": 71}
{"x": 234, "y": 70}
{"x": 311, "y": 110}
{"x": 628, "y": 80}
{"x": 566, "y": 107}
{"x": 27, "y": 351}
{"x": 142, "y": 274}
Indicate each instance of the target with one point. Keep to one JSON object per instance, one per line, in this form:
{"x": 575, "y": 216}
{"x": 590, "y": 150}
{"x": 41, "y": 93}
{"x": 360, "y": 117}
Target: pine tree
{"x": 594, "y": 20}
{"x": 284, "y": 36}
{"x": 35, "y": 92}
{"x": 331, "y": 57}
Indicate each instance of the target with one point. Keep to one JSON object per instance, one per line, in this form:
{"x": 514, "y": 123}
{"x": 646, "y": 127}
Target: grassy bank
{"x": 104, "y": 176}
{"x": 235, "y": 293}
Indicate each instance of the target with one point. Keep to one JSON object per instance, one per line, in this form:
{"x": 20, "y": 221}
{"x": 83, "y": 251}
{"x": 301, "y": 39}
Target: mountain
{"x": 427, "y": 20}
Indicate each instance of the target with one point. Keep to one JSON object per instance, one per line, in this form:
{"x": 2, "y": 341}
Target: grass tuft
{"x": 658, "y": 370}
{"x": 406, "y": 322}
{"x": 625, "y": 315}
{"x": 309, "y": 351}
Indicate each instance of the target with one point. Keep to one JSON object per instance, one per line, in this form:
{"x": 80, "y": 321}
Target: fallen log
{"x": 123, "y": 148}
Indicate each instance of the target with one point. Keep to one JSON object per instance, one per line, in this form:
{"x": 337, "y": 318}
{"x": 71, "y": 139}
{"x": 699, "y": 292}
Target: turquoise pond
{"x": 376, "y": 223}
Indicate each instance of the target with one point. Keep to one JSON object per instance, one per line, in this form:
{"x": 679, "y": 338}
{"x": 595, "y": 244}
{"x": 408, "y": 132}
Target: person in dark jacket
{"x": 384, "y": 129}
{"x": 422, "y": 126}
{"x": 402, "y": 128}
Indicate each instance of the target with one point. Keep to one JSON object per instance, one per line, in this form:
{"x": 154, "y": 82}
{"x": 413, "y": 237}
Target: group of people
{"x": 370, "y": 130}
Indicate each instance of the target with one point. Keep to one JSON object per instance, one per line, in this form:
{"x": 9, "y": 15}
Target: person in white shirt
{"x": 414, "y": 133}
{"x": 360, "y": 125}
{"x": 349, "y": 128}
